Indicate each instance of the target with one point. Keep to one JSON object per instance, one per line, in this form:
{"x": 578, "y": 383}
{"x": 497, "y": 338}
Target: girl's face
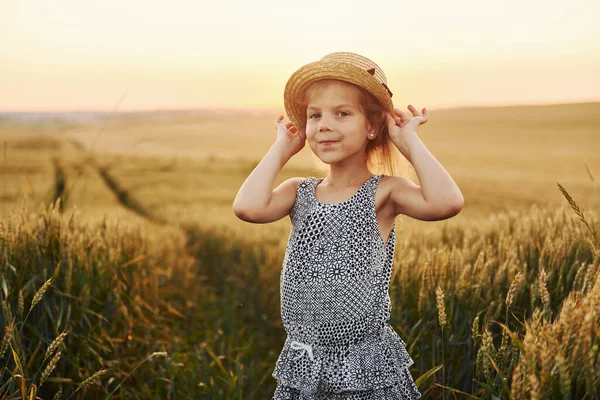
{"x": 335, "y": 126}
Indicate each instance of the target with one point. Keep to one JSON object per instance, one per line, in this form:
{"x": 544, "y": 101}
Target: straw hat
{"x": 345, "y": 66}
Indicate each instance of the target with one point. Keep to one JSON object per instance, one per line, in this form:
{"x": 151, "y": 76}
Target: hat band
{"x": 388, "y": 89}
{"x": 372, "y": 72}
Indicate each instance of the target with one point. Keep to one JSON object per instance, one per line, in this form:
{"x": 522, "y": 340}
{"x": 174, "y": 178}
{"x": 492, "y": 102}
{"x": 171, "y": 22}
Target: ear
{"x": 370, "y": 131}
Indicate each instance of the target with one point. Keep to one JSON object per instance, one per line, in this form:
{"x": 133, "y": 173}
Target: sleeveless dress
{"x": 335, "y": 304}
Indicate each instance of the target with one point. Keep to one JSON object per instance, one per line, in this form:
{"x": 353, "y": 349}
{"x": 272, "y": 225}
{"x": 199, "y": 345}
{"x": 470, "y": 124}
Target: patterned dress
{"x": 335, "y": 304}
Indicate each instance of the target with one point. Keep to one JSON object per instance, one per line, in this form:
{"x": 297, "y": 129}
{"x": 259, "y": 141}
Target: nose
{"x": 324, "y": 124}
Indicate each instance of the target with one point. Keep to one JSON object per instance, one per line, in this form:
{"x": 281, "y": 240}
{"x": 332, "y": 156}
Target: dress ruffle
{"x": 376, "y": 363}
{"x": 405, "y": 389}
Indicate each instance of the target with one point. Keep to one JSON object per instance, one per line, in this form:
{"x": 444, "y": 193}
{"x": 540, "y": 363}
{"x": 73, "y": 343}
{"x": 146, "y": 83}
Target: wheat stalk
{"x": 502, "y": 349}
{"x": 482, "y": 363}
{"x": 89, "y": 380}
{"x": 439, "y": 295}
{"x": 578, "y": 211}
{"x": 58, "y": 395}
{"x": 92, "y": 378}
{"x": 40, "y": 293}
{"x": 6, "y": 310}
{"x": 475, "y": 328}
{"x": 156, "y": 353}
{"x": 543, "y": 289}
{"x": 20, "y": 304}
{"x": 534, "y": 386}
{"x": 564, "y": 375}
{"x": 589, "y": 172}
{"x": 513, "y": 288}
{"x": 8, "y": 333}
{"x": 55, "y": 343}
{"x": 50, "y": 367}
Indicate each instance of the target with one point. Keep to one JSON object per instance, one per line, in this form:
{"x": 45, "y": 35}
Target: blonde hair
{"x": 381, "y": 154}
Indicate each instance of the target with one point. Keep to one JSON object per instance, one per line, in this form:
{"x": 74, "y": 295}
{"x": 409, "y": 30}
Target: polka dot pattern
{"x": 335, "y": 304}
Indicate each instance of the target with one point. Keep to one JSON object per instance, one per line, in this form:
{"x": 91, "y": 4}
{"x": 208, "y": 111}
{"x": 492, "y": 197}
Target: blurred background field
{"x": 188, "y": 166}
{"x": 154, "y": 260}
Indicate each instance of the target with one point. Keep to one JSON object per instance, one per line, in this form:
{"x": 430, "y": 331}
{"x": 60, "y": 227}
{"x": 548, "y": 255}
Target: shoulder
{"x": 396, "y": 190}
{"x": 292, "y": 190}
{"x": 403, "y": 196}
{"x": 292, "y": 184}
{"x": 297, "y": 181}
{"x": 390, "y": 183}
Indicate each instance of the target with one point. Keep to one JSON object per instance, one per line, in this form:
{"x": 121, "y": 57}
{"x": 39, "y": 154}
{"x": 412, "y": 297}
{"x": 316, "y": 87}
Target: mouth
{"x": 328, "y": 142}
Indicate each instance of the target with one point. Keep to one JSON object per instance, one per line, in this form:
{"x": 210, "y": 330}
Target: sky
{"x": 82, "y": 55}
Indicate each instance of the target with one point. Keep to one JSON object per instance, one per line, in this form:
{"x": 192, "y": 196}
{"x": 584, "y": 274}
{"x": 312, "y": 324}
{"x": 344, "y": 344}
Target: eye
{"x": 312, "y": 115}
{"x": 344, "y": 112}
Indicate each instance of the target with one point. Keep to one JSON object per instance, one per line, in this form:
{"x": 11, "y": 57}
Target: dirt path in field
{"x": 124, "y": 196}
{"x": 60, "y": 183}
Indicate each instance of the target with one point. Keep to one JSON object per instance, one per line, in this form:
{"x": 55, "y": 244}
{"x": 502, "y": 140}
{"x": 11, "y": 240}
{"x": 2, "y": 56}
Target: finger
{"x": 402, "y": 120}
{"x": 413, "y": 110}
{"x": 392, "y": 120}
{"x": 404, "y": 116}
{"x": 297, "y": 132}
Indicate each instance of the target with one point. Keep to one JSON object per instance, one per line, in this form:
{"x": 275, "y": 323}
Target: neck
{"x": 340, "y": 176}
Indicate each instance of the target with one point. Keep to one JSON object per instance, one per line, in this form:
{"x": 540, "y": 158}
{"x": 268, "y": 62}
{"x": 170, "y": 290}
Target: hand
{"x": 292, "y": 138}
{"x": 401, "y": 125}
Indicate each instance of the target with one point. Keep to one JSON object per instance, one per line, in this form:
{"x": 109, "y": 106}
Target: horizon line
{"x": 269, "y": 109}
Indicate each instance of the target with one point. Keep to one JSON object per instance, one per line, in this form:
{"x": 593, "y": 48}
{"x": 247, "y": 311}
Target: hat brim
{"x": 320, "y": 70}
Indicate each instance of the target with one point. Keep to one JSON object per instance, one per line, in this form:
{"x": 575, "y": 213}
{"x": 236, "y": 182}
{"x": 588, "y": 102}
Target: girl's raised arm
{"x": 256, "y": 201}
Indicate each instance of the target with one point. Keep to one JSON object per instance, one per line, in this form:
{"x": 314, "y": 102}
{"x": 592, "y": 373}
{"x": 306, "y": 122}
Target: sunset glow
{"x": 72, "y": 55}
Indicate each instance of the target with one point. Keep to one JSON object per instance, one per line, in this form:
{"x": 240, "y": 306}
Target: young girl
{"x": 337, "y": 267}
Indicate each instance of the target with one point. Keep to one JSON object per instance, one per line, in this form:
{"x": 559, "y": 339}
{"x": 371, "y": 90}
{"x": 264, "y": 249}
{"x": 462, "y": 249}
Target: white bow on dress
{"x": 304, "y": 347}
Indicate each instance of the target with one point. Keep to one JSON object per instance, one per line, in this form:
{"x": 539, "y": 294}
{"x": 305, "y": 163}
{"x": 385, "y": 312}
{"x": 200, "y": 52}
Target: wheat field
{"x": 126, "y": 275}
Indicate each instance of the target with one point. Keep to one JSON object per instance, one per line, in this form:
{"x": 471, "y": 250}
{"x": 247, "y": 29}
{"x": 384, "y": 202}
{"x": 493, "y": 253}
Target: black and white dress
{"x": 335, "y": 304}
